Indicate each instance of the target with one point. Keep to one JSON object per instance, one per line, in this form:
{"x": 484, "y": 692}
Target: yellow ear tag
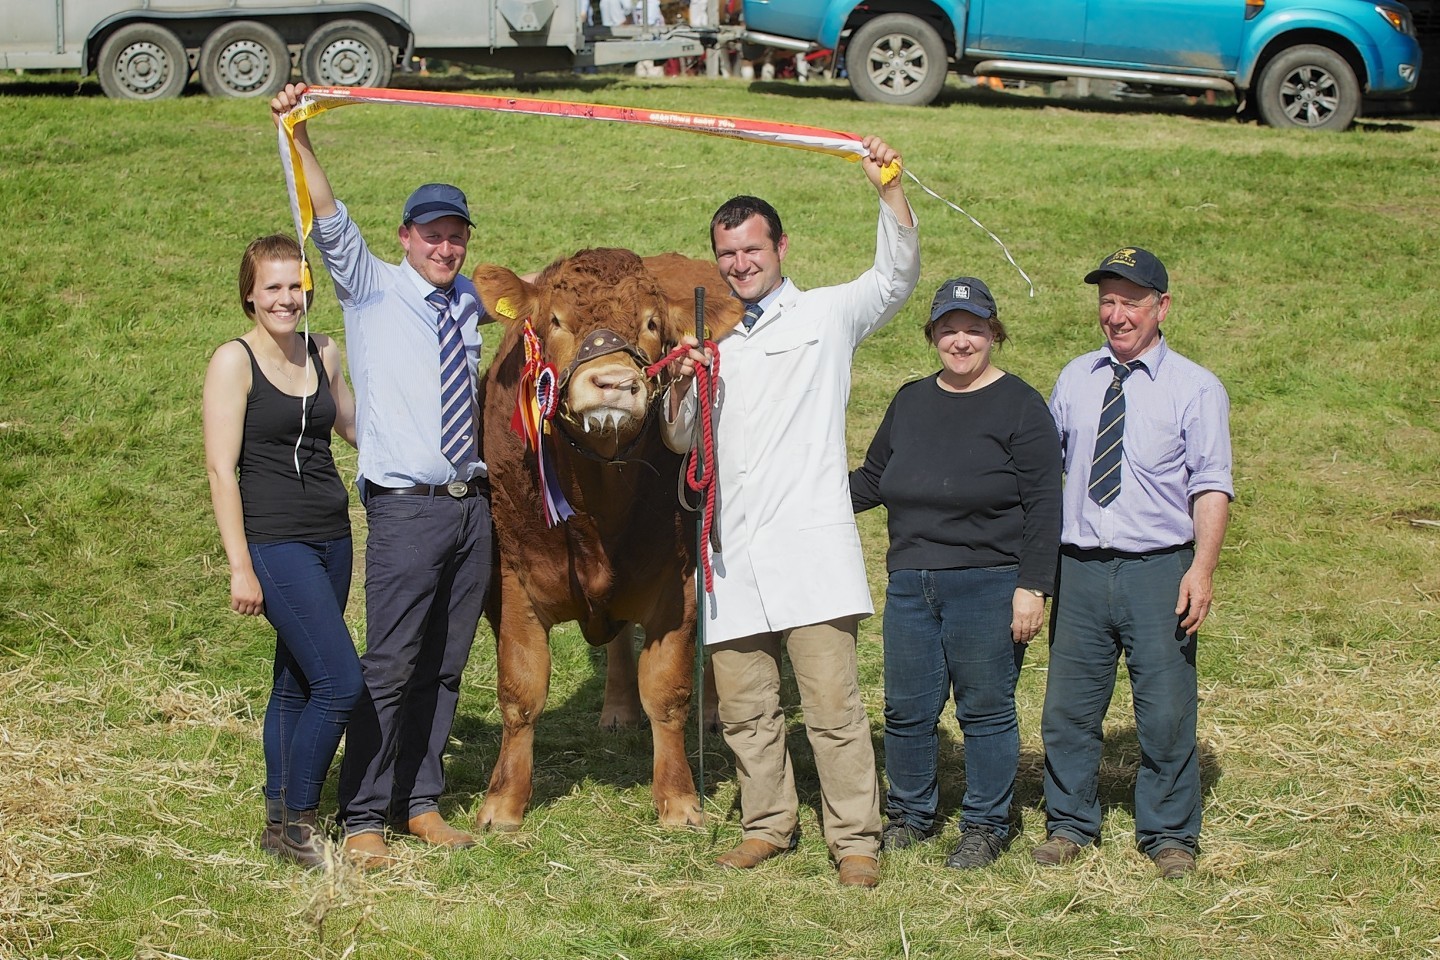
{"x": 506, "y": 308}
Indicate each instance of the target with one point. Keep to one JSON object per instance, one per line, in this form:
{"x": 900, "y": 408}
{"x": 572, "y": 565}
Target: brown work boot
{"x": 301, "y": 839}
{"x": 368, "y": 851}
{"x": 274, "y": 826}
{"x": 432, "y": 829}
{"x": 749, "y": 854}
{"x": 1174, "y": 863}
{"x": 858, "y": 871}
{"x": 1056, "y": 852}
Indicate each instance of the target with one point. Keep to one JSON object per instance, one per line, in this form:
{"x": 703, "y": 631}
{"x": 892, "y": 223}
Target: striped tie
{"x": 752, "y": 313}
{"x": 457, "y": 406}
{"x": 1109, "y": 441}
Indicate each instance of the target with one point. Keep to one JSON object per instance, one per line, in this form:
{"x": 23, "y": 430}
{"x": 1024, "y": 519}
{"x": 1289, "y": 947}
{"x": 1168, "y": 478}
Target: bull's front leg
{"x": 522, "y": 683}
{"x": 666, "y": 681}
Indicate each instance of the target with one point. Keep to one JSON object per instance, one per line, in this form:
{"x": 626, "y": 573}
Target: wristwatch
{"x": 1039, "y": 593}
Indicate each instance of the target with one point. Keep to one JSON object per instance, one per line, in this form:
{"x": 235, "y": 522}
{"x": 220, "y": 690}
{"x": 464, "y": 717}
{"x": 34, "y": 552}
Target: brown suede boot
{"x": 432, "y": 829}
{"x": 368, "y": 851}
{"x": 301, "y": 839}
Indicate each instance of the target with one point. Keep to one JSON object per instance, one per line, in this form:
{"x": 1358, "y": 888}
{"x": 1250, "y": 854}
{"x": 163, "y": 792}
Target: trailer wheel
{"x": 143, "y": 61}
{"x": 346, "y": 53}
{"x": 898, "y": 59}
{"x": 243, "y": 59}
{"x": 1310, "y": 87}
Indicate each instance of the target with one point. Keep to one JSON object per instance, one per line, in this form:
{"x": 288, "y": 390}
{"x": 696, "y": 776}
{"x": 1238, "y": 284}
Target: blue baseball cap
{"x": 963, "y": 293}
{"x": 1133, "y": 264}
{"x": 433, "y": 201}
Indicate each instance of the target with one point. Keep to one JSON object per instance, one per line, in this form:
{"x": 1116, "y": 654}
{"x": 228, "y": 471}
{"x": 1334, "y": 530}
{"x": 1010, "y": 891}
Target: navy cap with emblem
{"x": 963, "y": 293}
{"x": 1133, "y": 264}
{"x": 433, "y": 201}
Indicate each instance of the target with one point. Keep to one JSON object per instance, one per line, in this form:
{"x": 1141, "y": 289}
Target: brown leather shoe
{"x": 368, "y": 851}
{"x": 1174, "y": 863}
{"x": 1056, "y": 851}
{"x": 749, "y": 854}
{"x": 432, "y": 829}
{"x": 859, "y": 871}
{"x": 301, "y": 839}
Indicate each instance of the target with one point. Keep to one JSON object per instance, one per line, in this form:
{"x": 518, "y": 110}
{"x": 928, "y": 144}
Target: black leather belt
{"x": 459, "y": 489}
{"x": 1082, "y": 553}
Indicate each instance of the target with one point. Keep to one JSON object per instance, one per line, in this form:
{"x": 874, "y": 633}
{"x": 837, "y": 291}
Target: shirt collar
{"x": 1149, "y": 361}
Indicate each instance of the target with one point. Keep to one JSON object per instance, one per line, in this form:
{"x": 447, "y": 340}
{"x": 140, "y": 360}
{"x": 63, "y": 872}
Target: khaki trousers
{"x": 747, "y": 679}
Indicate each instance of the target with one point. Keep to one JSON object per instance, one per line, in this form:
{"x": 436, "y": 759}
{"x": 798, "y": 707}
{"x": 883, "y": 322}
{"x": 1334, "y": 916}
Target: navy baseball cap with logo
{"x": 1133, "y": 264}
{"x": 433, "y": 201}
{"x": 963, "y": 293}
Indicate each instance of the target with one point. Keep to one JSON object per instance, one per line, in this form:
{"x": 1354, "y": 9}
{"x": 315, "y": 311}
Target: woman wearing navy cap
{"x": 967, "y": 463}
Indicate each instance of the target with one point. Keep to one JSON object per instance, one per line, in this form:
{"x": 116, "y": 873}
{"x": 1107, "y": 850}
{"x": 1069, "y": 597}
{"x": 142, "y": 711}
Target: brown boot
{"x": 749, "y": 854}
{"x": 859, "y": 871}
{"x": 432, "y": 829}
{"x": 301, "y": 840}
{"x": 368, "y": 851}
{"x": 274, "y": 827}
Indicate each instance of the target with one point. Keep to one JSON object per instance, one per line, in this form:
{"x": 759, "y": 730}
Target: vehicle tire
{"x": 897, "y": 58}
{"x": 346, "y": 53}
{"x": 244, "y": 59}
{"x": 143, "y": 61}
{"x": 1310, "y": 87}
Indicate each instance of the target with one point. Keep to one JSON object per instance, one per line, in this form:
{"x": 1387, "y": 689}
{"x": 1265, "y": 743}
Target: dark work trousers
{"x": 427, "y": 568}
{"x": 1108, "y": 603}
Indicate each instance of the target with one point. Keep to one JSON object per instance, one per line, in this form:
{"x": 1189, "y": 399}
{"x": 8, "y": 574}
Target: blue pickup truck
{"x": 1301, "y": 63}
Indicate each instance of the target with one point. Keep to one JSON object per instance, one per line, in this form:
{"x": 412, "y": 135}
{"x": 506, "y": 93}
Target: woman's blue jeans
{"x": 948, "y": 631}
{"x": 317, "y": 678}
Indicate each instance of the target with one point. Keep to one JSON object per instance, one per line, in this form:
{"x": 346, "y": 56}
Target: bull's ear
{"x": 679, "y": 276}
{"x": 506, "y": 297}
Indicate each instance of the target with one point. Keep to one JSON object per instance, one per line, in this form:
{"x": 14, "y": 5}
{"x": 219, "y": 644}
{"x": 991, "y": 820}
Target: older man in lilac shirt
{"x": 1148, "y": 486}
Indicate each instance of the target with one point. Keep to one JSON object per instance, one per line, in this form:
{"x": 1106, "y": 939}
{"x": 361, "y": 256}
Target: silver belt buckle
{"x": 457, "y": 489}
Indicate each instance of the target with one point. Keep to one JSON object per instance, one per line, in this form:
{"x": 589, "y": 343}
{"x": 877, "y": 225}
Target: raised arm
{"x": 227, "y": 384}
{"x": 322, "y": 198}
{"x": 892, "y": 194}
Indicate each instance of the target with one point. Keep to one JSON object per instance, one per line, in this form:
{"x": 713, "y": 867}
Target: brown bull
{"x": 626, "y": 557}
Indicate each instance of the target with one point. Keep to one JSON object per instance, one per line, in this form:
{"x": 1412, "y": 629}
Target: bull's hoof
{"x": 613, "y": 719}
{"x": 681, "y": 812}
{"x": 492, "y": 820}
{"x": 712, "y": 720}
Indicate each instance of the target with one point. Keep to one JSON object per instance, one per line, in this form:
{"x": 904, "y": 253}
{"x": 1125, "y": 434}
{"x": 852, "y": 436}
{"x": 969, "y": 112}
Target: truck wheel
{"x": 898, "y": 59}
{"x": 1310, "y": 87}
{"x": 244, "y": 59}
{"x": 346, "y": 53}
{"x": 143, "y": 61}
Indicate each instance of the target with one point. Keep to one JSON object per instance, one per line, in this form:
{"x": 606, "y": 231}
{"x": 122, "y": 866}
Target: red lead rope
{"x": 700, "y": 474}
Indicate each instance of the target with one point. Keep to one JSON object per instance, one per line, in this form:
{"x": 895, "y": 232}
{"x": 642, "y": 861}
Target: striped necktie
{"x": 457, "y": 405}
{"x": 1110, "y": 440}
{"x": 753, "y": 312}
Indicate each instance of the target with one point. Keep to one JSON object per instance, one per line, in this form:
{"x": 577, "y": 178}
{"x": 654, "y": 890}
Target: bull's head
{"x": 602, "y": 317}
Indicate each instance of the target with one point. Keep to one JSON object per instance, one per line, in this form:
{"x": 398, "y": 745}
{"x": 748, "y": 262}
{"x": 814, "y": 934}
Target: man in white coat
{"x": 791, "y": 569}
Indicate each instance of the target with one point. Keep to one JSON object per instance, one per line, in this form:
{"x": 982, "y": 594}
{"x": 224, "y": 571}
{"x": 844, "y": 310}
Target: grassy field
{"x": 130, "y": 697}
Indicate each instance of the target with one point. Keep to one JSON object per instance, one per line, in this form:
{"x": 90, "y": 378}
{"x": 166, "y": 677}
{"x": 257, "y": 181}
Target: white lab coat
{"x": 790, "y": 551}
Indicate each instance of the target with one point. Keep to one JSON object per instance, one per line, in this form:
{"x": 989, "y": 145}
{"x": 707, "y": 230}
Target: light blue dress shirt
{"x": 1177, "y": 446}
{"x": 394, "y": 357}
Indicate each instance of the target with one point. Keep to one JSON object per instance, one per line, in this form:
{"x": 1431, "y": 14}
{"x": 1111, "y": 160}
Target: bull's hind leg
{"x": 622, "y": 695}
{"x": 522, "y": 683}
{"x": 666, "y": 681}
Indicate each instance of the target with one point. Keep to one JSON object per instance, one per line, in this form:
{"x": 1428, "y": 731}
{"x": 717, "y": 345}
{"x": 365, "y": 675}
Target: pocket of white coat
{"x": 792, "y": 366}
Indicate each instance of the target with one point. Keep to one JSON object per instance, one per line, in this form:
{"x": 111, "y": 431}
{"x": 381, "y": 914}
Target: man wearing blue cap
{"x": 1146, "y": 441}
{"x": 414, "y": 344}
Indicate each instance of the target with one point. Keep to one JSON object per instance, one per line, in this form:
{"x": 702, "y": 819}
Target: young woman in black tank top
{"x": 272, "y": 398}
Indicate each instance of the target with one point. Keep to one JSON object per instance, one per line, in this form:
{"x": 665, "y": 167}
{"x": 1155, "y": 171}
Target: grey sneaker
{"x": 978, "y": 847}
{"x": 898, "y": 835}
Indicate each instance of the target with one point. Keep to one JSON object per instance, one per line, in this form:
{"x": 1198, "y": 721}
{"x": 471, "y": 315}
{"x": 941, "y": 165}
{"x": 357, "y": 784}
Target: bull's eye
{"x": 555, "y": 322}
{"x": 652, "y": 326}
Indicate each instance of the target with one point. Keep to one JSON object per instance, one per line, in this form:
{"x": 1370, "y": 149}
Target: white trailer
{"x": 148, "y": 49}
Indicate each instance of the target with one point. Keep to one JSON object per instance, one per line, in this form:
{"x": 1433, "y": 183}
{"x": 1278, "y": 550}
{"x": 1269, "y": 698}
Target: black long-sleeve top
{"x": 969, "y": 479}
